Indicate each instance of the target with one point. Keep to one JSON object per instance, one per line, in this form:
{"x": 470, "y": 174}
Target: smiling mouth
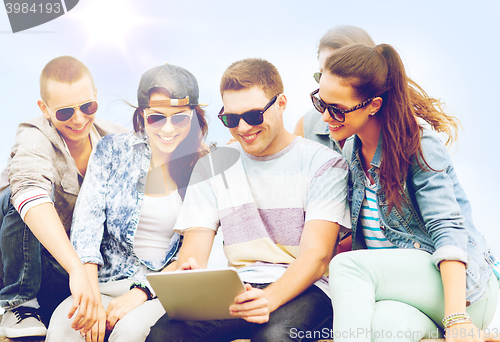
{"x": 78, "y": 129}
{"x": 334, "y": 127}
{"x": 167, "y": 139}
{"x": 249, "y": 137}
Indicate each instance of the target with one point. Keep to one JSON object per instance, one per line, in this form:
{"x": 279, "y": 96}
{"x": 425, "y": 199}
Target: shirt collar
{"x": 95, "y": 137}
{"x": 377, "y": 157}
{"x": 321, "y": 128}
{"x": 139, "y": 138}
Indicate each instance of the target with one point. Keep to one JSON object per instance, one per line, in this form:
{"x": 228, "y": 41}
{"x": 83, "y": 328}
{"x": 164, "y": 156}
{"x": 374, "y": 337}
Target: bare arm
{"x": 454, "y": 285}
{"x": 195, "y": 248}
{"x": 45, "y": 224}
{"x": 98, "y": 331}
{"x": 299, "y": 127}
{"x": 316, "y": 250}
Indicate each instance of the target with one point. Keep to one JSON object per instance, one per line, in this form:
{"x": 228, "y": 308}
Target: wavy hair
{"x": 379, "y": 71}
{"x": 424, "y": 106}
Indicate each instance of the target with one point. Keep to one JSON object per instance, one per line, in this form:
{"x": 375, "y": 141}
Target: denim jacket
{"x": 438, "y": 219}
{"x": 317, "y": 130}
{"x": 109, "y": 205}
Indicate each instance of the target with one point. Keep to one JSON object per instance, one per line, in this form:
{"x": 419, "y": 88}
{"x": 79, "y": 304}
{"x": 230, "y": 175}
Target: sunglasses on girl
{"x": 66, "y": 113}
{"x": 252, "y": 117}
{"x": 335, "y": 112}
{"x": 179, "y": 120}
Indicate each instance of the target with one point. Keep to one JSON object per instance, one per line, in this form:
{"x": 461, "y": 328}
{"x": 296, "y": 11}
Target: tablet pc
{"x": 197, "y": 295}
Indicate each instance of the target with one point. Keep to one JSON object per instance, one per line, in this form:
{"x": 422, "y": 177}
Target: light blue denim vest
{"x": 317, "y": 130}
{"x": 437, "y": 219}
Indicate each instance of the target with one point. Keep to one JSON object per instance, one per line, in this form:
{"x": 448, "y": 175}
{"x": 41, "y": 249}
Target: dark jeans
{"x": 29, "y": 271}
{"x": 295, "y": 321}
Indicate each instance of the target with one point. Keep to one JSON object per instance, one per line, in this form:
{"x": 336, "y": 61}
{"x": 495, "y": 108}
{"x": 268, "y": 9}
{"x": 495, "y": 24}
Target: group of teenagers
{"x": 366, "y": 166}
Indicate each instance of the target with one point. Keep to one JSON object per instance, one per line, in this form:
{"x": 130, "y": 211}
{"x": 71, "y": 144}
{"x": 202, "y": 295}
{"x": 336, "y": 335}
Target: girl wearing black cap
{"x": 124, "y": 217}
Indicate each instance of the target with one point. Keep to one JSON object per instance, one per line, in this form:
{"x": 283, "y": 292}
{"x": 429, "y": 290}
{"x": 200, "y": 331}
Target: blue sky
{"x": 451, "y": 50}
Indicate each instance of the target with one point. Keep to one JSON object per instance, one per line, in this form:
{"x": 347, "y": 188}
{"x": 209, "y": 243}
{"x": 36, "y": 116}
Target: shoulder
{"x": 317, "y": 155}
{"x": 313, "y": 124}
{"x": 118, "y": 142}
{"x": 431, "y": 144}
{"x": 430, "y": 138}
{"x": 312, "y": 116}
{"x": 37, "y": 133}
{"x": 434, "y": 150}
{"x": 105, "y": 127}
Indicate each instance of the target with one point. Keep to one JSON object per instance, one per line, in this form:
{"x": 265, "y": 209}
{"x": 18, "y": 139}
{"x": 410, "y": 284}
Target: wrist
{"x": 456, "y": 318}
{"x": 141, "y": 287}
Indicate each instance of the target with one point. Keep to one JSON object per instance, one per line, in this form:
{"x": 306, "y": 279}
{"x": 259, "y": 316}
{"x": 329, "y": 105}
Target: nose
{"x": 326, "y": 116}
{"x": 168, "y": 127}
{"x": 78, "y": 117}
{"x": 243, "y": 127}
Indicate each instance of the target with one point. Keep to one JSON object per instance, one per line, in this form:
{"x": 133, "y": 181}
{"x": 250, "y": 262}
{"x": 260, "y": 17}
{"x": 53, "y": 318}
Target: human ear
{"x": 375, "y": 105}
{"x": 281, "y": 101}
{"x": 43, "y": 107}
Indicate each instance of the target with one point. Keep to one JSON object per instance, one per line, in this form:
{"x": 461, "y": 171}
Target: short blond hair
{"x": 65, "y": 69}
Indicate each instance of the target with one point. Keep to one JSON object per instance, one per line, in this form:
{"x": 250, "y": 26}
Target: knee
{"x": 60, "y": 325}
{"x": 60, "y": 330}
{"x": 159, "y": 332}
{"x": 394, "y": 320}
{"x": 341, "y": 260}
{"x": 126, "y": 330}
{"x": 128, "y": 333}
{"x": 275, "y": 332}
{"x": 341, "y": 266}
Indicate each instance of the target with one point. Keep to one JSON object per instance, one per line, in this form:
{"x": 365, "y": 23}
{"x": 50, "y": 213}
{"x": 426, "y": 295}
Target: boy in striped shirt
{"x": 280, "y": 207}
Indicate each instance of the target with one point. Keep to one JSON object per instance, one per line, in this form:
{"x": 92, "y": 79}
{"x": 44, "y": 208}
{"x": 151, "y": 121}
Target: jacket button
{"x": 382, "y": 227}
{"x": 467, "y": 303}
{"x": 416, "y": 245}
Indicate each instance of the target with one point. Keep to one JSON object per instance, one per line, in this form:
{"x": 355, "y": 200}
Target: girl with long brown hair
{"x": 424, "y": 267}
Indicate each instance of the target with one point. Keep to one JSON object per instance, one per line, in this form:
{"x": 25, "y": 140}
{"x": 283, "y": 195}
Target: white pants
{"x": 133, "y": 327}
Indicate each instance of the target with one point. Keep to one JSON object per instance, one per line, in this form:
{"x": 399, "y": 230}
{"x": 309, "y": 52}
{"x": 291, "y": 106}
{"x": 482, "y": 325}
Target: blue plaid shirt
{"x": 109, "y": 205}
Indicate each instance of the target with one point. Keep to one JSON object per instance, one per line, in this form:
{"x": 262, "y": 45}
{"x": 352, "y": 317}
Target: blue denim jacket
{"x": 439, "y": 219}
{"x": 317, "y": 130}
{"x": 108, "y": 208}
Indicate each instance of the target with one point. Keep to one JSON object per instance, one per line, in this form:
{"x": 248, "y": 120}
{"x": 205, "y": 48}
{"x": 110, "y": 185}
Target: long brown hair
{"x": 189, "y": 150}
{"x": 423, "y": 105}
{"x": 379, "y": 71}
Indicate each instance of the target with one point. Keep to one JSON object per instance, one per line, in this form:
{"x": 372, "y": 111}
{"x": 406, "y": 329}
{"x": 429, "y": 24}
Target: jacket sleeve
{"x": 31, "y": 170}
{"x": 436, "y": 188}
{"x": 89, "y": 217}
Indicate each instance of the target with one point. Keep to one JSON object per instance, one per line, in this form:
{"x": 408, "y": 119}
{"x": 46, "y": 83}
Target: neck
{"x": 369, "y": 137}
{"x": 77, "y": 148}
{"x": 285, "y": 139}
{"x": 159, "y": 161}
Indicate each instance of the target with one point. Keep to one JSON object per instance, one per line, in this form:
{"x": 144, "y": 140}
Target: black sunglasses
{"x": 252, "y": 117}
{"x": 179, "y": 120}
{"x": 66, "y": 113}
{"x": 334, "y": 111}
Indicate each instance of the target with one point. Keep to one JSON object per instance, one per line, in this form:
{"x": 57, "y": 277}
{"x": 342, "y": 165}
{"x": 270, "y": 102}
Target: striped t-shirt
{"x": 374, "y": 238}
{"x": 262, "y": 203}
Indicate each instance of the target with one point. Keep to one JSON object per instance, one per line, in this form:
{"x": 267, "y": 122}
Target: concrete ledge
{"x": 423, "y": 340}
{"x": 41, "y": 339}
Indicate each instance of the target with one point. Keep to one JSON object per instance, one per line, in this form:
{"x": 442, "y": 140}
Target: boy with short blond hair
{"x": 47, "y": 167}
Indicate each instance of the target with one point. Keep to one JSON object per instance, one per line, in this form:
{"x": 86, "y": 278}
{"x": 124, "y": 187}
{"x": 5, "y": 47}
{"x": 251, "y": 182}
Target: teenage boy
{"x": 48, "y": 162}
{"x": 280, "y": 208}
